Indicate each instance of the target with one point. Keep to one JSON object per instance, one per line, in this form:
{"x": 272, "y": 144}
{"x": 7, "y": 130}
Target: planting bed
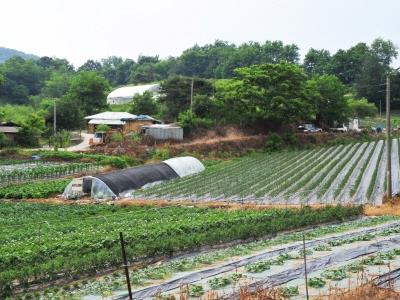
{"x": 221, "y": 271}
{"x": 42, "y": 243}
{"x": 334, "y": 261}
{"x": 341, "y": 174}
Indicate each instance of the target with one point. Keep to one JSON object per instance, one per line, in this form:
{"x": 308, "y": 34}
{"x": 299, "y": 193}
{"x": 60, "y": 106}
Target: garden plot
{"x": 340, "y": 174}
{"x": 207, "y": 263}
{"x": 23, "y": 172}
{"x": 281, "y": 265}
{"x": 284, "y": 268}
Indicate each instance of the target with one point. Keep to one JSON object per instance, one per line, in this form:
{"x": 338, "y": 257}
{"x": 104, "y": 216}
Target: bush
{"x": 190, "y": 122}
{"x": 274, "y": 143}
{"x": 103, "y": 128}
{"x": 117, "y": 137}
{"x": 161, "y": 153}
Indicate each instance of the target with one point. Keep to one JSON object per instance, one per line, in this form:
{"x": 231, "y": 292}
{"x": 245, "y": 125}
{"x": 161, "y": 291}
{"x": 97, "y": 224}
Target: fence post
{"x": 128, "y": 282}
{"x": 305, "y": 264}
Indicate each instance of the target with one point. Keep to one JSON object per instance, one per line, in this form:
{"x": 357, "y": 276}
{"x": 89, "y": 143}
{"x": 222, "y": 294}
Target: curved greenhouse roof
{"x": 125, "y": 94}
{"x": 121, "y": 183}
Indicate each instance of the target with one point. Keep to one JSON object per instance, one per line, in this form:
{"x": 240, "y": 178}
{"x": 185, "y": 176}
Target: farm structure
{"x": 352, "y": 173}
{"x": 122, "y": 183}
{"x": 122, "y": 121}
{"x": 126, "y": 93}
{"x": 163, "y": 131}
{"x": 10, "y": 130}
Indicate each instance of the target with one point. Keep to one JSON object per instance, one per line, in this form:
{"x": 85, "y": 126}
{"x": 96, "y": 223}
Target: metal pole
{"x": 305, "y": 264}
{"x": 191, "y": 96}
{"x": 380, "y": 108}
{"x": 128, "y": 282}
{"x": 389, "y": 141}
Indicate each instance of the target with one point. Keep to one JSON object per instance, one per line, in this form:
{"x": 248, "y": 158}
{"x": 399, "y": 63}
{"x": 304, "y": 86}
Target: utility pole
{"x": 389, "y": 141}
{"x": 128, "y": 282}
{"x": 55, "y": 125}
{"x": 380, "y": 108}
{"x": 305, "y": 266}
{"x": 191, "y": 96}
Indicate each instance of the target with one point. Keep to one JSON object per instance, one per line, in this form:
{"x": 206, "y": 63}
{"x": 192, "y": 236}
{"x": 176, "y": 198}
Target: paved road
{"x": 84, "y": 145}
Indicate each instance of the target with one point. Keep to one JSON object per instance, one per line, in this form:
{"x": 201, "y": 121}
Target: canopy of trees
{"x": 232, "y": 83}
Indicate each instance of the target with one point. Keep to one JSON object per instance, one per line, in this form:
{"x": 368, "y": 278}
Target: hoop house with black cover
{"x": 121, "y": 183}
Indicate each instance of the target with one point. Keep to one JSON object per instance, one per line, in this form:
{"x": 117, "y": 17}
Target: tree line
{"x": 247, "y": 83}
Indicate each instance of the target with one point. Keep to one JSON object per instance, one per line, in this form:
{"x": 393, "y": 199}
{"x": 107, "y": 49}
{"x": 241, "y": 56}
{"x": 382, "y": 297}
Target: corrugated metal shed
{"x": 164, "y": 132}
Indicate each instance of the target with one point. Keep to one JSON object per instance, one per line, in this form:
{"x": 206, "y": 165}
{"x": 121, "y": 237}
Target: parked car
{"x": 309, "y": 128}
{"x": 343, "y": 128}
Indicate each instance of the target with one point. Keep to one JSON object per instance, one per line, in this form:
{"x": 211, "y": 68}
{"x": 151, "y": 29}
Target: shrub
{"x": 274, "y": 143}
{"x": 117, "y": 137}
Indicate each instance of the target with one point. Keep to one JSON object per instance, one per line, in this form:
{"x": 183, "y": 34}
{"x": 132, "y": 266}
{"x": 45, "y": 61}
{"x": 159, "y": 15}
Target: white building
{"x": 125, "y": 94}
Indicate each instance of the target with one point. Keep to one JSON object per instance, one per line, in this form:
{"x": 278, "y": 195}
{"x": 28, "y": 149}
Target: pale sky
{"x": 83, "y": 29}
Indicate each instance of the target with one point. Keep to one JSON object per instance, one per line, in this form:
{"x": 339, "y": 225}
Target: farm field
{"x": 43, "y": 243}
{"x": 335, "y": 253}
{"x": 352, "y": 173}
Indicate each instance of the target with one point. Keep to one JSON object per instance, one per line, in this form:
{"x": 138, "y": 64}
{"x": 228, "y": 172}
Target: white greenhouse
{"x": 125, "y": 94}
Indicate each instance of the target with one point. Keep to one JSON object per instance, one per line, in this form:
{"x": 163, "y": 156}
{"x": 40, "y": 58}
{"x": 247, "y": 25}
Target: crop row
{"x": 42, "y": 171}
{"x": 324, "y": 175}
{"x": 40, "y": 189}
{"x": 35, "y": 252}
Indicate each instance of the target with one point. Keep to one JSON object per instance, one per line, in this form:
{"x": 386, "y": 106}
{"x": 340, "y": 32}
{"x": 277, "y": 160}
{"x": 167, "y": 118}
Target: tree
{"x": 275, "y": 91}
{"x": 144, "y": 104}
{"x": 175, "y": 94}
{"x": 88, "y": 91}
{"x": 385, "y": 51}
{"x": 30, "y": 132}
{"x": 360, "y": 108}
{"x": 90, "y": 65}
{"x": 57, "y": 85}
{"x": 317, "y": 62}
{"x": 326, "y": 92}
{"x": 21, "y": 78}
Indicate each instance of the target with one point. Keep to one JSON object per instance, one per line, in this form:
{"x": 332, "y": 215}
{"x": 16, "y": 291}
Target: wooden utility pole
{"x": 389, "y": 141}
{"x": 191, "y": 96}
{"x": 128, "y": 282}
{"x": 55, "y": 125}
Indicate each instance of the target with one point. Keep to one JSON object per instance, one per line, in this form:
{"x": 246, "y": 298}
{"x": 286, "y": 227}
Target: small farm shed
{"x": 121, "y": 183}
{"x": 163, "y": 131}
{"x": 125, "y": 94}
{"x": 123, "y": 121}
{"x": 9, "y": 129}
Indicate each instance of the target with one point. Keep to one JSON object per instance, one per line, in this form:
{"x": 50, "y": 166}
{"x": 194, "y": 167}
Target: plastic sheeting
{"x": 151, "y": 291}
{"x": 186, "y": 165}
{"x": 319, "y": 264}
{"x": 135, "y": 178}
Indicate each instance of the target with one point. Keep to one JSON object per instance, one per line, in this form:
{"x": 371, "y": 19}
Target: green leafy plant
{"x": 316, "y": 282}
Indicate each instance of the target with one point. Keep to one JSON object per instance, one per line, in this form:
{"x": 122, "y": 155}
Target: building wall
{"x": 134, "y": 126}
{"x": 130, "y": 126}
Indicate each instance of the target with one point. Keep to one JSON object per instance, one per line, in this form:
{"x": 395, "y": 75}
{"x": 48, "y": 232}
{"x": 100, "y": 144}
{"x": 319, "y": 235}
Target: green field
{"x": 42, "y": 242}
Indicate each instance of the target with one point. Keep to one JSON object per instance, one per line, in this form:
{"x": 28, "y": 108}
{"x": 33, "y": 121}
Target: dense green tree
{"x": 144, "y": 104}
{"x": 30, "y": 132}
{"x": 117, "y": 70}
{"x": 21, "y": 79}
{"x": 360, "y": 108}
{"x": 326, "y": 92}
{"x": 273, "y": 92}
{"x": 57, "y": 85}
{"x": 175, "y": 94}
{"x": 89, "y": 91}
{"x": 317, "y": 62}
{"x": 90, "y": 65}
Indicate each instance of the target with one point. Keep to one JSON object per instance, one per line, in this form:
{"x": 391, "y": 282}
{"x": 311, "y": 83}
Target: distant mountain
{"x": 6, "y": 53}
